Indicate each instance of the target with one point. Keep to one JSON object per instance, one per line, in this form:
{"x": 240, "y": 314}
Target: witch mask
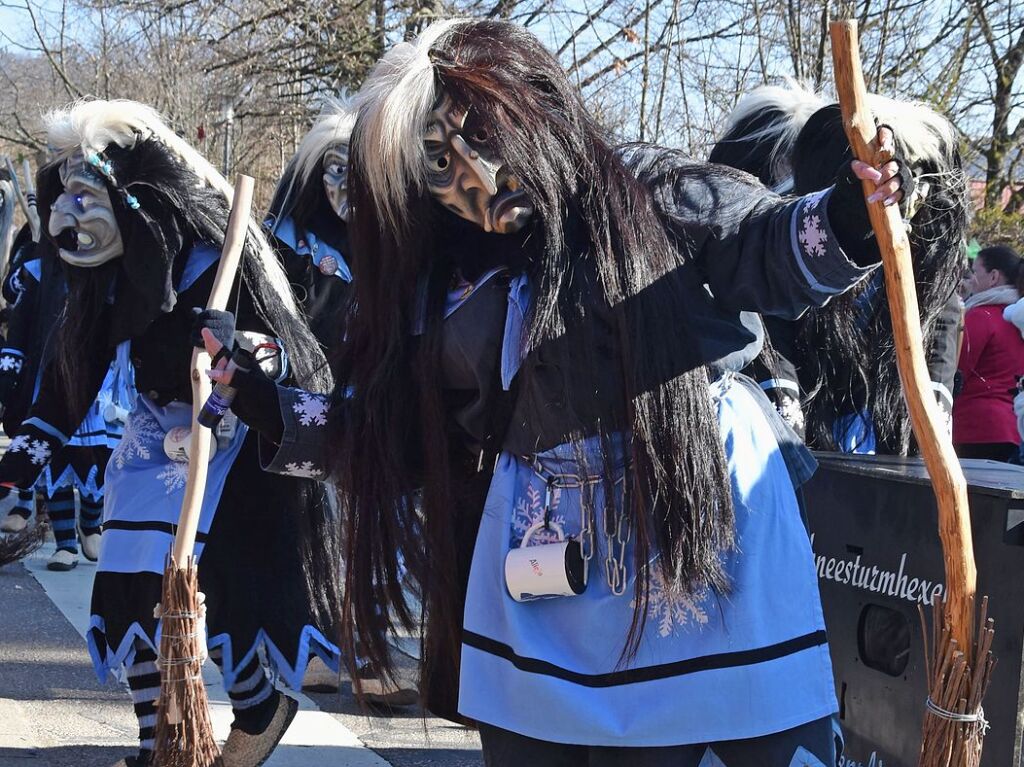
{"x": 336, "y": 179}
{"x": 82, "y": 218}
{"x": 465, "y": 174}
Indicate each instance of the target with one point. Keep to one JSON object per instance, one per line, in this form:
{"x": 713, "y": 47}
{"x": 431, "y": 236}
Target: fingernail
{"x": 875, "y": 197}
{"x": 890, "y": 201}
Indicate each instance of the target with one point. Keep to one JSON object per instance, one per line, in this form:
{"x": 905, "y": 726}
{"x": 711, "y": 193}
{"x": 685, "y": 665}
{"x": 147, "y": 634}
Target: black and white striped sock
{"x": 144, "y": 682}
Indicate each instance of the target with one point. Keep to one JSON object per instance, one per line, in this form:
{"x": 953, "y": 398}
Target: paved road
{"x": 54, "y": 713}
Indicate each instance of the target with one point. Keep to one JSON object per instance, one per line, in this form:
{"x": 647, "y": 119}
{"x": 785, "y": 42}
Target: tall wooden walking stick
{"x": 184, "y": 734}
{"x": 26, "y": 196}
{"x": 961, "y": 662}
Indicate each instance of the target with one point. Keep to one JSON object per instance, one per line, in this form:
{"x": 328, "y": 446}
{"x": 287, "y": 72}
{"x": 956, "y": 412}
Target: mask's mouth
{"x": 68, "y": 239}
{"x": 511, "y": 207}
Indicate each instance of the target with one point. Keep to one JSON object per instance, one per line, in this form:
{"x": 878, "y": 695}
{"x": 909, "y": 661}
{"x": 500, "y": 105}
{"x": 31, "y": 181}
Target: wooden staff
{"x": 184, "y": 734}
{"x": 22, "y": 201}
{"x": 32, "y": 211}
{"x": 954, "y": 687}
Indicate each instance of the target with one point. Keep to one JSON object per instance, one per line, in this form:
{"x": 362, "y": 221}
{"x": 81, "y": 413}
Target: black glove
{"x": 221, "y": 324}
{"x": 848, "y": 211}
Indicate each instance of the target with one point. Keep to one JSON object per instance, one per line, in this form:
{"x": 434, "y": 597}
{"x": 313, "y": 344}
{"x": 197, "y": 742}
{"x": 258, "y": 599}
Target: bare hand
{"x": 884, "y": 176}
{"x": 220, "y": 372}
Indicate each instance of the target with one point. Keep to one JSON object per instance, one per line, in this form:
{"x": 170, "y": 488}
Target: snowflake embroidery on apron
{"x": 529, "y": 511}
{"x": 672, "y": 609}
{"x": 141, "y": 434}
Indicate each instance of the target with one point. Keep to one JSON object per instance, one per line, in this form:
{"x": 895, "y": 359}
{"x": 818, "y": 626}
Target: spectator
{"x": 1014, "y": 313}
{"x": 991, "y": 359}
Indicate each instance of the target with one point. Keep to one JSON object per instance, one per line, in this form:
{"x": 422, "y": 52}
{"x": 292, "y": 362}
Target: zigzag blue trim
{"x": 109, "y": 665}
{"x": 69, "y": 478}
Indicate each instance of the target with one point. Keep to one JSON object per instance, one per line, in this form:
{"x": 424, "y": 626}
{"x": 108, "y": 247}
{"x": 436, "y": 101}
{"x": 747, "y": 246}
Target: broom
{"x": 184, "y": 734}
{"x": 961, "y": 663}
{"x": 15, "y": 546}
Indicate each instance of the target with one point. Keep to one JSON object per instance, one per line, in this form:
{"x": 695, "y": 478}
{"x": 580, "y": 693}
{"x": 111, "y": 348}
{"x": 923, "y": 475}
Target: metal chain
{"x": 617, "y": 532}
{"x": 617, "y": 526}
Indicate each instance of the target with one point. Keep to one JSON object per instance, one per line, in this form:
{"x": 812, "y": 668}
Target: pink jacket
{"x": 991, "y": 359}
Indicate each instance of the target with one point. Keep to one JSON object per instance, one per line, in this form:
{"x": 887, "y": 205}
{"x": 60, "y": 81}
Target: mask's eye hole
{"x": 480, "y": 136}
{"x": 79, "y": 201}
{"x": 442, "y": 163}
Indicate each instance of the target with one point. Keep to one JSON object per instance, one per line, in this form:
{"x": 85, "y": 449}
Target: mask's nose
{"x": 481, "y": 174}
{"x": 61, "y": 214}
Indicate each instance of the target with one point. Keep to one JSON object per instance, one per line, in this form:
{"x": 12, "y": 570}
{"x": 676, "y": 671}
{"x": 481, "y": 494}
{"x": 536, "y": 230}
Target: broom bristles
{"x": 15, "y": 546}
{"x": 184, "y": 733}
{"x": 954, "y": 722}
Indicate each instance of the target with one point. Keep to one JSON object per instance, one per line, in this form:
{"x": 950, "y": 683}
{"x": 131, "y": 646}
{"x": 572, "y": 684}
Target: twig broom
{"x": 15, "y": 546}
{"x": 961, "y": 666}
{"x": 184, "y": 734}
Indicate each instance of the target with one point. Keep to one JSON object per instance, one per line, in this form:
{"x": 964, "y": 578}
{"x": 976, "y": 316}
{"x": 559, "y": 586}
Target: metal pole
{"x": 229, "y": 122}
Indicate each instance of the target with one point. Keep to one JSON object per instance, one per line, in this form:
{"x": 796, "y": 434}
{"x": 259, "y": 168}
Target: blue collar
{"x": 308, "y": 244}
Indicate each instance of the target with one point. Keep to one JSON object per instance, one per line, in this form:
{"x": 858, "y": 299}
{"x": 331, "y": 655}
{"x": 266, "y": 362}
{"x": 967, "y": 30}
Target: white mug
{"x": 547, "y": 570}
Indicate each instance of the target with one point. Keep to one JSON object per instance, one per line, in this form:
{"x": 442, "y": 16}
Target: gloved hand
{"x": 847, "y": 209}
{"x": 221, "y": 324}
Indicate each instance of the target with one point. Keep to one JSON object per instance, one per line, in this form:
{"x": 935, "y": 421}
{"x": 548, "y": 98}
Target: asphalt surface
{"x": 54, "y": 712}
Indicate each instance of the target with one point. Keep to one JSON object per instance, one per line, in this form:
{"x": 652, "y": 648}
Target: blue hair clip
{"x": 105, "y": 167}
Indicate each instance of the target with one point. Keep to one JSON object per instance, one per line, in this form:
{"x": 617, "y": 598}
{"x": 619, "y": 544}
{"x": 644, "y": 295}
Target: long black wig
{"x": 594, "y": 244}
{"x": 793, "y": 140}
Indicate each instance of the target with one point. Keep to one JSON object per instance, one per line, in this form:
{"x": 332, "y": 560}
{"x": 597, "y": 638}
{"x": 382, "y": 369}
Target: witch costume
{"x": 139, "y": 218}
{"x": 308, "y": 224}
{"x": 831, "y": 372}
{"x": 308, "y": 221}
{"x": 79, "y": 465}
{"x": 541, "y": 352}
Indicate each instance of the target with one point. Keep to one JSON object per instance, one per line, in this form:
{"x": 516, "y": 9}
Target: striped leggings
{"x": 61, "y": 506}
{"x": 252, "y": 686}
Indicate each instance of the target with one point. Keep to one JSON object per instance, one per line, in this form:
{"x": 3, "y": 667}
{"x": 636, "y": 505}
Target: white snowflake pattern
{"x": 529, "y": 511}
{"x": 311, "y": 409}
{"x": 304, "y": 469}
{"x": 39, "y": 452}
{"x": 672, "y": 608}
{"x": 10, "y": 362}
{"x": 174, "y": 476}
{"x": 141, "y": 434}
{"x": 813, "y": 237}
{"x": 19, "y": 443}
